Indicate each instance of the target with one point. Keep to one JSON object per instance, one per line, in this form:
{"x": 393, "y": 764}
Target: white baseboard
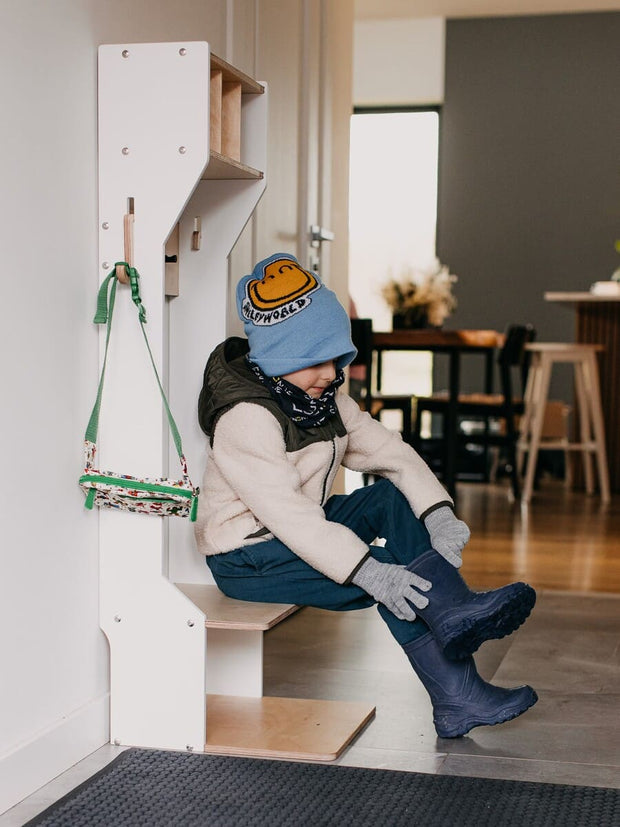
{"x": 30, "y": 765}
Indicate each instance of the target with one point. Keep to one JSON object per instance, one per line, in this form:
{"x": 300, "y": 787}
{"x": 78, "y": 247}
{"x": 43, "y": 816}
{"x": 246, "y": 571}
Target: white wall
{"x": 54, "y": 684}
{"x": 398, "y": 62}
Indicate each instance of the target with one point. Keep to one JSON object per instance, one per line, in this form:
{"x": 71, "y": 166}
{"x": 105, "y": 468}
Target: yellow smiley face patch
{"x": 283, "y": 290}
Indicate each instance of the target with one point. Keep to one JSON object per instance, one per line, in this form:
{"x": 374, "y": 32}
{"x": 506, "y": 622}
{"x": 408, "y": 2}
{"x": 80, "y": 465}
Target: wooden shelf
{"x": 289, "y": 728}
{"x": 225, "y": 613}
{"x": 228, "y": 88}
{"x": 231, "y": 74}
{"x": 221, "y": 168}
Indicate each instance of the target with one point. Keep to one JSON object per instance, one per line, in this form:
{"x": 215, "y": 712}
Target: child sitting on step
{"x": 279, "y": 428}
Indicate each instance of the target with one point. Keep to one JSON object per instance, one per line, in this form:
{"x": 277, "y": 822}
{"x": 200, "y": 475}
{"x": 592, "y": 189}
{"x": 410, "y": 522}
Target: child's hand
{"x": 448, "y": 534}
{"x": 393, "y": 586}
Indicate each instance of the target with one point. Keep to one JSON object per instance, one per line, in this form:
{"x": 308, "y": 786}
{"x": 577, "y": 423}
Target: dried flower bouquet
{"x": 422, "y": 298}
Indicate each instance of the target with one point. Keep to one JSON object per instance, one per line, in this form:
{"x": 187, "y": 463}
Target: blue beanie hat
{"x": 291, "y": 319}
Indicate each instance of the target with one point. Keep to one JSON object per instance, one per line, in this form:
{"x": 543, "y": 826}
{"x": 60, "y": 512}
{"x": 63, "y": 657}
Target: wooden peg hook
{"x": 128, "y": 220}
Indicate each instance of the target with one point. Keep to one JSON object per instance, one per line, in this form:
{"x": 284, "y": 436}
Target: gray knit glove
{"x": 448, "y": 534}
{"x": 391, "y": 584}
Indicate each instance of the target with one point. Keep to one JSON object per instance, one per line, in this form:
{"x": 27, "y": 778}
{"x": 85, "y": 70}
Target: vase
{"x": 413, "y": 319}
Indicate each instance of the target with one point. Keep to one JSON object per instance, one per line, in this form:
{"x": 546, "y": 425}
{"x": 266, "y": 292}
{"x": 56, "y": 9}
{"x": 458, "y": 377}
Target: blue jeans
{"x": 269, "y": 572}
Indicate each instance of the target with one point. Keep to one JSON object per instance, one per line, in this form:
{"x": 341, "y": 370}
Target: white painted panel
{"x": 152, "y": 104}
{"x": 157, "y": 642}
{"x": 153, "y": 146}
{"x": 235, "y": 663}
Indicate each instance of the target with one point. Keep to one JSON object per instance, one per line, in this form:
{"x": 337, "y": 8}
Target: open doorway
{"x": 392, "y": 220}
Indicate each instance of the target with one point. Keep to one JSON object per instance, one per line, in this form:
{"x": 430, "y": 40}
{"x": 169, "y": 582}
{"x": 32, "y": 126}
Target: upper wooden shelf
{"x": 231, "y": 74}
{"x": 228, "y": 87}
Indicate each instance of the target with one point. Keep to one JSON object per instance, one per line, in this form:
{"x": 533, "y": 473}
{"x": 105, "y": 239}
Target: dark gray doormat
{"x": 159, "y": 789}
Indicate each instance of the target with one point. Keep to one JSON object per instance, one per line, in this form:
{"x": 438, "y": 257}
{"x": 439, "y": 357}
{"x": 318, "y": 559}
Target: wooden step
{"x": 289, "y": 728}
{"x": 225, "y": 613}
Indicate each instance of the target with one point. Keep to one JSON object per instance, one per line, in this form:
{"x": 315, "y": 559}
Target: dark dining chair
{"x": 371, "y": 400}
{"x": 497, "y": 412}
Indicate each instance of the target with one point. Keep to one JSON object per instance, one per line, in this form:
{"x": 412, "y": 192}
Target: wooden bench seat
{"x": 240, "y": 720}
{"x": 225, "y": 613}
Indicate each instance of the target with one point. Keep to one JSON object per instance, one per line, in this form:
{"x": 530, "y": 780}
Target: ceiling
{"x": 382, "y": 9}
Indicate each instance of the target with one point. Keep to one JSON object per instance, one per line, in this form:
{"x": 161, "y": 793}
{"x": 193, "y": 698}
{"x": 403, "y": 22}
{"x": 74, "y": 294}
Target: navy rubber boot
{"x": 461, "y": 619}
{"x": 461, "y": 699}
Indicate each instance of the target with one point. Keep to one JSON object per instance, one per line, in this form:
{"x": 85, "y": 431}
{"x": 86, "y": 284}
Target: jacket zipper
{"x": 329, "y": 470}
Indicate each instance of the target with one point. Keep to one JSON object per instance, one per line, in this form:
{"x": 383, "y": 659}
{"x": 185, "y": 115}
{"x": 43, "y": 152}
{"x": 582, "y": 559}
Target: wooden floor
{"x": 563, "y": 540}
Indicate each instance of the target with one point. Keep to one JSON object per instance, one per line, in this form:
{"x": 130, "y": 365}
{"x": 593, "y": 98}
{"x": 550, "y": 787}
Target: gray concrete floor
{"x": 569, "y": 650}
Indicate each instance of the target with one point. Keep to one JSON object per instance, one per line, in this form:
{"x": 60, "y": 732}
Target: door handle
{"x": 319, "y": 234}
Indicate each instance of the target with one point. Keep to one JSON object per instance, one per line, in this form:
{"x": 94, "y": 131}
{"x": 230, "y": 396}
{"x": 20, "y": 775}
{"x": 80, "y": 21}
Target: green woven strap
{"x": 105, "y": 309}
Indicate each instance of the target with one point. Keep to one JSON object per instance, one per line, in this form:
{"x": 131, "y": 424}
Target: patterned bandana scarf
{"x": 302, "y": 409}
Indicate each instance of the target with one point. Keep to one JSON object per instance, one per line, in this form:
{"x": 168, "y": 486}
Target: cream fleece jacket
{"x": 253, "y": 486}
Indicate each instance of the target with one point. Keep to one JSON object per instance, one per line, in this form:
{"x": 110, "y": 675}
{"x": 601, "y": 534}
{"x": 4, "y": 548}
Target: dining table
{"x": 453, "y": 343}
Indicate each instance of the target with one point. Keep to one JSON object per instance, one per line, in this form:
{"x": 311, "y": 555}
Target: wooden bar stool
{"x": 589, "y": 410}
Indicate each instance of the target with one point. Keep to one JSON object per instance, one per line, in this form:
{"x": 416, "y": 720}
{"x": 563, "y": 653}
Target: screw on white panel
{"x": 105, "y": 226}
{"x": 190, "y": 623}
{"x": 183, "y": 52}
{"x": 189, "y": 747}
{"x": 117, "y": 618}
{"x": 125, "y": 150}
{"x": 182, "y": 150}
{"x": 117, "y": 742}
{"x": 125, "y": 53}
{"x": 105, "y": 265}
